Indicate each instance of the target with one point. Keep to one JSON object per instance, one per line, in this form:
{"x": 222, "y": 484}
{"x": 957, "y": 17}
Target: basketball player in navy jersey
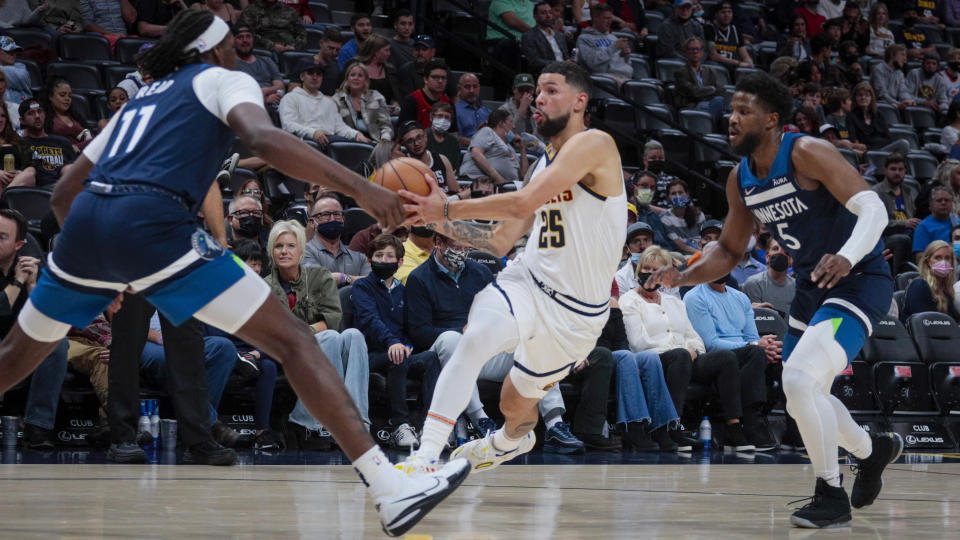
{"x": 829, "y": 221}
{"x": 132, "y": 226}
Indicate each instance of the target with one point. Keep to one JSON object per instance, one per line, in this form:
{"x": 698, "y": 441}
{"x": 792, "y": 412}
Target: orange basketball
{"x": 404, "y": 173}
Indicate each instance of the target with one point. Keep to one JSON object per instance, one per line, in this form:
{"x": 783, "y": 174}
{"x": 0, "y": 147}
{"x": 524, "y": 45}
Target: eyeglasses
{"x": 694, "y": 49}
{"x": 247, "y": 213}
{"x": 438, "y": 77}
{"x": 327, "y": 216}
{"x": 415, "y": 138}
{"x": 255, "y": 192}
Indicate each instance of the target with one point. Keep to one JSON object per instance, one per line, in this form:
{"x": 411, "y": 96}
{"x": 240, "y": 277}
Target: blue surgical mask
{"x": 510, "y": 137}
{"x": 679, "y": 201}
{"x": 635, "y": 258}
{"x": 956, "y": 249}
{"x": 698, "y": 14}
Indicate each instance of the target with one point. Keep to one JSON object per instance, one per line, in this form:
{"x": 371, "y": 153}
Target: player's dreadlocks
{"x": 167, "y": 54}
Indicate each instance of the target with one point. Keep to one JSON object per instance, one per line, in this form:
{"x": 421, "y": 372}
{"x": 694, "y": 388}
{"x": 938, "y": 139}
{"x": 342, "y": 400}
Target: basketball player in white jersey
{"x": 550, "y": 306}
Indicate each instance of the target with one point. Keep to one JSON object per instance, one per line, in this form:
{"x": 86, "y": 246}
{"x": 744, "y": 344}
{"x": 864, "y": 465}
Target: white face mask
{"x": 440, "y": 124}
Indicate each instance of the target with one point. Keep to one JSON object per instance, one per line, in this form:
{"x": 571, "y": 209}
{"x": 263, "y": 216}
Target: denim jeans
{"x": 41, "y": 410}
{"x": 716, "y": 106}
{"x": 220, "y": 357}
{"x": 642, "y": 392}
{"x": 347, "y": 351}
{"x": 423, "y": 365}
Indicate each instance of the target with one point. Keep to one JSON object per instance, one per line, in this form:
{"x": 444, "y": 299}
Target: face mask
{"x": 456, "y": 259}
{"x": 642, "y": 278}
{"x": 383, "y": 270}
{"x": 644, "y": 196}
{"x": 954, "y": 66}
{"x": 422, "y": 232}
{"x": 476, "y": 194}
{"x": 679, "y": 201}
{"x": 655, "y": 167}
{"x": 250, "y": 226}
{"x": 635, "y": 258}
{"x": 440, "y": 125}
{"x": 510, "y": 137}
{"x": 956, "y": 249}
{"x": 698, "y": 14}
{"x": 941, "y": 268}
{"x": 779, "y": 262}
{"x": 330, "y": 230}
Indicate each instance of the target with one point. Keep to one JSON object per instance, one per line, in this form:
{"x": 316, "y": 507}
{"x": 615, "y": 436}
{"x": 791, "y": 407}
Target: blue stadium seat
{"x": 697, "y": 121}
{"x": 904, "y": 278}
{"x": 81, "y": 76}
{"x": 85, "y": 47}
{"x": 33, "y": 203}
{"x": 922, "y": 165}
{"x": 920, "y": 117}
{"x": 667, "y": 67}
{"x": 350, "y": 154}
{"x": 125, "y": 49}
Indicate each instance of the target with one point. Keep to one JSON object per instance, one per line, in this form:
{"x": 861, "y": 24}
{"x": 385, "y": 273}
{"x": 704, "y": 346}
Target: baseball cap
{"x": 682, "y": 2}
{"x": 307, "y": 64}
{"x": 638, "y": 228}
{"x": 711, "y": 224}
{"x": 241, "y": 29}
{"x": 407, "y": 127}
{"x": 423, "y": 40}
{"x": 827, "y": 127}
{"x": 27, "y": 104}
{"x": 523, "y": 79}
{"x": 7, "y": 44}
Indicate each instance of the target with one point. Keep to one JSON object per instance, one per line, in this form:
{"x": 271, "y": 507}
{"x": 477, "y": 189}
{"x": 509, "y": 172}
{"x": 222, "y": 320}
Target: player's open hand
{"x": 384, "y": 205}
{"x": 422, "y": 210}
{"x": 666, "y": 276}
{"x": 829, "y": 271}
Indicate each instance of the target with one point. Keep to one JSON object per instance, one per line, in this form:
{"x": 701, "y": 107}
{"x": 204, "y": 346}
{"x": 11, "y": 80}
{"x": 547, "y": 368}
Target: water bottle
{"x": 575, "y": 55}
{"x": 155, "y": 420}
{"x": 143, "y": 424}
{"x": 705, "y": 433}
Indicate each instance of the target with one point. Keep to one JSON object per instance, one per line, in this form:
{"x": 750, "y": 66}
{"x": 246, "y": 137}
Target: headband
{"x": 210, "y": 37}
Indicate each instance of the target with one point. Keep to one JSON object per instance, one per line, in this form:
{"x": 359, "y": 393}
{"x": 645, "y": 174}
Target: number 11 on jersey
{"x": 125, "y": 121}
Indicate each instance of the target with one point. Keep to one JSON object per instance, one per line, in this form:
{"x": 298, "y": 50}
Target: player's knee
{"x": 797, "y": 385}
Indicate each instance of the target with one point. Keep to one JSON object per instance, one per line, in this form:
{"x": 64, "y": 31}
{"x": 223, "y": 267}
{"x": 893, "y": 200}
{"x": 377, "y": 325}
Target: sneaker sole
{"x": 845, "y": 521}
{"x": 552, "y": 449}
{"x": 415, "y": 513}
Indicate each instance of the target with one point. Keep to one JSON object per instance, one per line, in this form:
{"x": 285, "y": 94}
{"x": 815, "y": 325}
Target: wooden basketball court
{"x": 512, "y": 502}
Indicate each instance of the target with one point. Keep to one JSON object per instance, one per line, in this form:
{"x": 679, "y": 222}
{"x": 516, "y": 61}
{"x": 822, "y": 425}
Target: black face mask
{"x": 250, "y": 226}
{"x": 422, "y": 232}
{"x": 476, "y": 194}
{"x": 642, "y": 277}
{"x": 383, "y": 270}
{"x": 331, "y": 230}
{"x": 655, "y": 167}
{"x": 779, "y": 262}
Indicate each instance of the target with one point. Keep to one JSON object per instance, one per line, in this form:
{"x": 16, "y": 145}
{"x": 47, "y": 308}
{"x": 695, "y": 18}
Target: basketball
{"x": 404, "y": 173}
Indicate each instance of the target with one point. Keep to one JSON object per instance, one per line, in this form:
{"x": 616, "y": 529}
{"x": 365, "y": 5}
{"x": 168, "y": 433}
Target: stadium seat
{"x": 607, "y": 86}
{"x": 890, "y": 113}
{"x": 710, "y": 154}
{"x": 920, "y": 117}
{"x": 85, "y": 106}
{"x": 114, "y": 74}
{"x": 81, "y": 76}
{"x": 953, "y": 35}
{"x": 697, "y": 121}
{"x": 676, "y": 145}
{"x": 936, "y": 336}
{"x": 904, "y": 278}
{"x": 354, "y": 221}
{"x": 33, "y": 203}
{"x": 932, "y": 32}
{"x": 85, "y": 47}
{"x": 876, "y": 158}
{"x": 666, "y": 67}
{"x": 899, "y": 297}
{"x": 641, "y": 66}
{"x": 908, "y": 135}
{"x": 653, "y": 20}
{"x": 617, "y": 115}
{"x": 125, "y": 49}
{"x": 492, "y": 262}
{"x": 742, "y": 72}
{"x": 945, "y": 380}
{"x": 931, "y": 135}
{"x": 33, "y": 68}
{"x": 901, "y": 381}
{"x": 850, "y": 156}
{"x": 769, "y": 321}
{"x": 313, "y": 38}
{"x": 321, "y": 12}
{"x": 29, "y": 37}
{"x": 289, "y": 60}
{"x": 350, "y": 154}
{"x": 889, "y": 342}
{"x": 723, "y": 75}
{"x": 922, "y": 165}
{"x": 854, "y": 387}
{"x": 346, "y": 306}
{"x": 641, "y": 92}
{"x": 653, "y": 118}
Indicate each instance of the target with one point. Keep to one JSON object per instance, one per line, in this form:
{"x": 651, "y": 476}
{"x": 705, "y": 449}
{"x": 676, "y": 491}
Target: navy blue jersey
{"x": 807, "y": 224}
{"x": 167, "y": 138}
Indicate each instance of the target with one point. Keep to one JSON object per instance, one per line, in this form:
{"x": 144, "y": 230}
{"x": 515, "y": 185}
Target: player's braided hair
{"x": 167, "y": 54}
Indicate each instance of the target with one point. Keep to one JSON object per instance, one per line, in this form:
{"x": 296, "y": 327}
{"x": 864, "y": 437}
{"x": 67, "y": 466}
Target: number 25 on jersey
{"x": 551, "y": 230}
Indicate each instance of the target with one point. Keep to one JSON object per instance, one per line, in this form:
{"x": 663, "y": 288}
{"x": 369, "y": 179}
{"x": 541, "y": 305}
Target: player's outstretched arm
{"x": 293, "y": 158}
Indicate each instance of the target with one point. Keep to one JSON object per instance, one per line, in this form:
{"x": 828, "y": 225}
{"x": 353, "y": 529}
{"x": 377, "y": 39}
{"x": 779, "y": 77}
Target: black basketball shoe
{"x": 887, "y": 447}
{"x": 829, "y": 509}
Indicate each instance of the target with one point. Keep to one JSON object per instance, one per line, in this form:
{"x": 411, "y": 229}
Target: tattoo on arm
{"x": 522, "y": 429}
{"x": 478, "y": 235}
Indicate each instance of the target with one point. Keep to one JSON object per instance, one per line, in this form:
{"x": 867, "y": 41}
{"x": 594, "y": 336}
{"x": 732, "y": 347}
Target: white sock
{"x": 434, "y": 437}
{"x": 377, "y": 473}
{"x": 816, "y": 421}
{"x": 504, "y": 443}
{"x": 553, "y": 420}
{"x": 851, "y": 436}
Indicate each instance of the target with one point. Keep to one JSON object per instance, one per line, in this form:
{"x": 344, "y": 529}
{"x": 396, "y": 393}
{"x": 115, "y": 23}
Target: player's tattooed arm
{"x": 478, "y": 235}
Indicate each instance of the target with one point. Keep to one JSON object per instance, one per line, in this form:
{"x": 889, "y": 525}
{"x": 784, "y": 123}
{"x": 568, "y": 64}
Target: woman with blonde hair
{"x": 384, "y": 77}
{"x": 881, "y": 36}
{"x": 933, "y": 291}
{"x": 362, "y": 108}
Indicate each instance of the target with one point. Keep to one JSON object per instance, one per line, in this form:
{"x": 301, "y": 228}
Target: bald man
{"x": 470, "y": 112}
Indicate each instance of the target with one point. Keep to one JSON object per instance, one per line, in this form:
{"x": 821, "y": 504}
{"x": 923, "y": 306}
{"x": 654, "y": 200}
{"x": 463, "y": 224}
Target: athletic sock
{"x": 504, "y": 443}
{"x": 552, "y": 419}
{"x": 378, "y": 473}
{"x": 436, "y": 431}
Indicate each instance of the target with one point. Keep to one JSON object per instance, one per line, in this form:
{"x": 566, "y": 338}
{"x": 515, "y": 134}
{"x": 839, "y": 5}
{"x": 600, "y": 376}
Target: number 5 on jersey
{"x": 790, "y": 242}
{"x": 551, "y": 230}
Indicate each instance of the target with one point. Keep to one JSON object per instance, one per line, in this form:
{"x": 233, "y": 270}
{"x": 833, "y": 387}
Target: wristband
{"x": 17, "y": 283}
{"x": 446, "y": 210}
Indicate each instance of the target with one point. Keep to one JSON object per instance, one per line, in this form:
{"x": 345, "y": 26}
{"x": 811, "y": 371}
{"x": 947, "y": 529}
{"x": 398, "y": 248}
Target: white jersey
{"x": 575, "y": 244}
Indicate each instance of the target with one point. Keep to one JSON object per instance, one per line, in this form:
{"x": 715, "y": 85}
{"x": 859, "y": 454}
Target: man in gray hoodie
{"x": 888, "y": 80}
{"x": 601, "y": 52}
{"x": 927, "y": 86}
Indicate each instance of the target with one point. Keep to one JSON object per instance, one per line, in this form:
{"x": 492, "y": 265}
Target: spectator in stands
{"x": 724, "y": 40}
{"x": 917, "y": 42}
{"x": 723, "y": 318}
{"x": 13, "y": 112}
{"x": 23, "y": 171}
{"x": 373, "y": 54}
{"x": 135, "y": 80}
{"x": 697, "y": 86}
{"x": 417, "y": 105}
{"x": 362, "y": 239}
{"x": 847, "y": 71}
{"x": 491, "y": 153}
{"x": 416, "y": 250}
{"x": 543, "y": 45}
{"x": 220, "y": 357}
{"x": 515, "y": 15}
{"x": 937, "y": 225}
{"x": 821, "y": 56}
{"x": 947, "y": 174}
{"x": 814, "y": 20}
{"x": 480, "y": 187}
{"x": 308, "y": 114}
{"x": 934, "y": 291}
{"x": 276, "y": 26}
{"x": 684, "y": 218}
{"x": 414, "y": 139}
{"x": 401, "y": 44}
{"x": 17, "y": 76}
{"x": 262, "y": 69}
{"x": 302, "y": 7}
{"x": 362, "y": 108}
{"x": 327, "y": 250}
{"x": 807, "y": 121}
{"x": 837, "y": 111}
{"x": 108, "y": 17}
{"x": 154, "y": 15}
{"x": 948, "y": 136}
{"x": 330, "y": 42}
{"x": 856, "y": 28}
{"x": 378, "y": 301}
{"x": 89, "y": 354}
{"x": 116, "y": 98}
{"x": 881, "y": 38}
{"x": 253, "y": 188}
{"x": 674, "y": 31}
{"x": 16, "y": 13}
{"x": 221, "y": 9}
{"x": 926, "y": 86}
{"x": 869, "y": 127}
{"x": 710, "y": 231}
{"x": 18, "y": 280}
{"x": 810, "y": 96}
{"x": 557, "y": 6}
{"x": 362, "y": 27}
{"x": 932, "y": 11}
{"x": 601, "y": 52}
{"x": 659, "y": 323}
{"x": 311, "y": 293}
{"x": 749, "y": 265}
{"x": 245, "y": 217}
{"x": 951, "y": 74}
{"x": 411, "y": 73}
{"x": 645, "y": 183}
{"x": 796, "y": 44}
{"x": 639, "y": 238}
{"x": 439, "y": 138}
{"x": 60, "y": 17}
{"x": 888, "y": 79}
{"x": 774, "y": 288}
{"x": 50, "y": 152}
{"x": 653, "y": 161}
{"x": 61, "y": 119}
{"x": 519, "y": 104}
{"x": 900, "y": 200}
